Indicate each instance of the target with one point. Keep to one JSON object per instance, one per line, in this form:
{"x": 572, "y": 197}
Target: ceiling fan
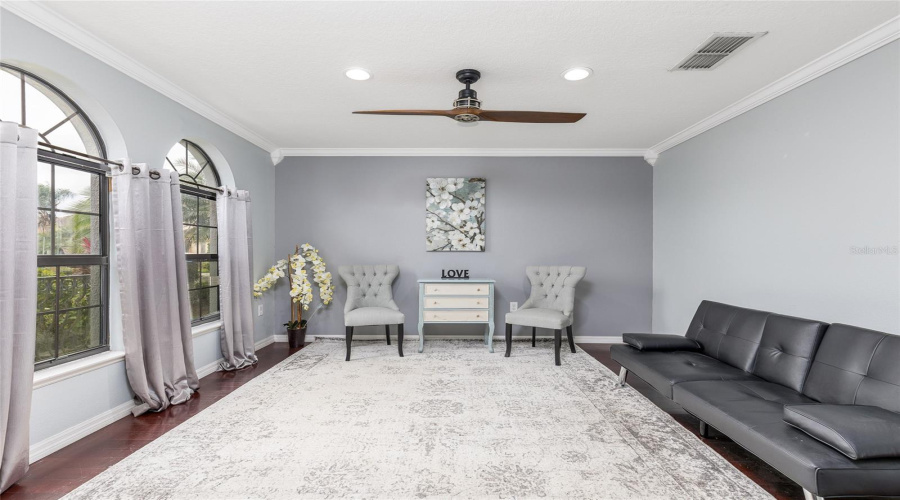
{"x": 467, "y": 108}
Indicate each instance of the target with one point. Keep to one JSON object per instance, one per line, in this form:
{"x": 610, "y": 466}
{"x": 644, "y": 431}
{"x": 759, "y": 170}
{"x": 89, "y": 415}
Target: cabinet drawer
{"x": 435, "y": 302}
{"x": 456, "y": 316}
{"x": 457, "y": 289}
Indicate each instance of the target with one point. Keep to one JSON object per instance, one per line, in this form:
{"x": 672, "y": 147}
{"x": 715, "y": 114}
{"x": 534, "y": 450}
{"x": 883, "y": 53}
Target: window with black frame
{"x": 73, "y": 269}
{"x": 199, "y": 178}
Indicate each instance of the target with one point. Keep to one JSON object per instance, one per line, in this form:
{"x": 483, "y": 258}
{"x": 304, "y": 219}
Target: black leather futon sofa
{"x": 818, "y": 402}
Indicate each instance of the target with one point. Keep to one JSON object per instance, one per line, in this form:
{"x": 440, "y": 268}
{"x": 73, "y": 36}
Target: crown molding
{"x": 867, "y": 42}
{"x": 50, "y": 21}
{"x": 508, "y": 152}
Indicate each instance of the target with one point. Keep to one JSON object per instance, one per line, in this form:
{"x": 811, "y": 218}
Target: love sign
{"x": 454, "y": 274}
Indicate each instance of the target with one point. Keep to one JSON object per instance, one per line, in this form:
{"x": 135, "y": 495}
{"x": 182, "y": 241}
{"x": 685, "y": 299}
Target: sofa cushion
{"x": 859, "y": 432}
{"x": 655, "y": 342}
{"x": 664, "y": 369}
{"x": 786, "y": 350}
{"x": 728, "y": 333}
{"x": 751, "y": 414}
{"x": 856, "y": 366}
{"x": 732, "y": 406}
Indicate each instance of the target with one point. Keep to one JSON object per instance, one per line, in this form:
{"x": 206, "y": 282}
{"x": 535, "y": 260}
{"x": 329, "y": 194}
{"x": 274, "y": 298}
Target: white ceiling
{"x": 277, "y": 67}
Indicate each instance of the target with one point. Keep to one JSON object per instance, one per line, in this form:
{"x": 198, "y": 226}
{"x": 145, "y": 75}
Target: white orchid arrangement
{"x": 300, "y": 287}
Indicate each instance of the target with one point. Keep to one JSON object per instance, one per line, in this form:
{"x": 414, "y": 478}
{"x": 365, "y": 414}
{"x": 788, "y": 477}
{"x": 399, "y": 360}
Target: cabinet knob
{"x": 478, "y": 289}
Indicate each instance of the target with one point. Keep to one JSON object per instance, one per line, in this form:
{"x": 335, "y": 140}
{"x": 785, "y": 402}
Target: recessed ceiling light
{"x": 358, "y": 74}
{"x": 575, "y": 74}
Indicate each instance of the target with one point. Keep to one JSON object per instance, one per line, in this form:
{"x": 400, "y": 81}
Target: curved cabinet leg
{"x": 571, "y": 338}
{"x": 349, "y": 338}
{"x": 400, "y": 339}
{"x": 485, "y": 334}
{"x": 508, "y": 339}
{"x": 387, "y": 333}
{"x": 490, "y": 336}
{"x": 557, "y": 343}
{"x": 421, "y": 335}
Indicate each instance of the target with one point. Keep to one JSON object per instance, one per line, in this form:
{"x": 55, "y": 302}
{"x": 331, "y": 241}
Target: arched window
{"x": 73, "y": 271}
{"x": 198, "y": 201}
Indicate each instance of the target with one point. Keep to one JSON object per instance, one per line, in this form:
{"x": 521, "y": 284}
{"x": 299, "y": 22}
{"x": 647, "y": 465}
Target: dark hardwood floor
{"x": 63, "y": 471}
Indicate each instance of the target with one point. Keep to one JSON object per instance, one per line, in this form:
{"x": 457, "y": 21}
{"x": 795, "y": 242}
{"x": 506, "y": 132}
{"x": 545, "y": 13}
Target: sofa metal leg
{"x": 808, "y": 495}
{"x": 704, "y": 429}
{"x": 508, "y": 340}
{"x": 400, "y": 339}
{"x": 571, "y": 338}
{"x": 387, "y": 333}
{"x": 623, "y": 373}
{"x": 533, "y": 336}
{"x": 557, "y": 344}
{"x": 349, "y": 338}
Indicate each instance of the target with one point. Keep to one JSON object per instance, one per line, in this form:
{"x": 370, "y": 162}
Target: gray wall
{"x": 594, "y": 212}
{"x": 142, "y": 124}
{"x": 764, "y": 211}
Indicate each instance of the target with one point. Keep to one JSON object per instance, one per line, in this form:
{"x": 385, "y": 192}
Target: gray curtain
{"x": 156, "y": 321}
{"x": 235, "y": 278}
{"x": 18, "y": 295}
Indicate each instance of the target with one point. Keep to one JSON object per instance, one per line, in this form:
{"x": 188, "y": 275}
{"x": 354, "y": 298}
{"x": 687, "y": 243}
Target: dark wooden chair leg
{"x": 557, "y": 343}
{"x": 387, "y": 333}
{"x": 400, "y": 339}
{"x": 571, "y": 338}
{"x": 508, "y": 340}
{"x": 533, "y": 336}
{"x": 349, "y": 338}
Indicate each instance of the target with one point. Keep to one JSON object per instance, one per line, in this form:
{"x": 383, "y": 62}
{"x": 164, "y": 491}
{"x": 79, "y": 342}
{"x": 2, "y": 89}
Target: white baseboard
{"x": 579, "y": 339}
{"x": 68, "y": 436}
{"x": 62, "y": 439}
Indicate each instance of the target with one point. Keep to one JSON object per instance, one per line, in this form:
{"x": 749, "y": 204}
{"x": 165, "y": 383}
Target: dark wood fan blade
{"x": 529, "y": 116}
{"x": 407, "y": 112}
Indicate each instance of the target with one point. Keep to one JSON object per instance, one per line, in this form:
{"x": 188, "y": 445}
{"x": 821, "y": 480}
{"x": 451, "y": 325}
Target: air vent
{"x": 716, "y": 48}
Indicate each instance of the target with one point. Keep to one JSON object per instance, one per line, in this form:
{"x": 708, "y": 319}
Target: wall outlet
{"x": 259, "y": 310}
{"x": 513, "y": 306}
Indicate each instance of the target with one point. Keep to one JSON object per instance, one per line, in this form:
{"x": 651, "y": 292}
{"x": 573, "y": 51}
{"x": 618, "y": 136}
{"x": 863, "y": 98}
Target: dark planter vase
{"x": 296, "y": 338}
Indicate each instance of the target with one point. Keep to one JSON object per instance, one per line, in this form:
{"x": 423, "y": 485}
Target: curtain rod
{"x": 78, "y": 153}
{"x": 134, "y": 170}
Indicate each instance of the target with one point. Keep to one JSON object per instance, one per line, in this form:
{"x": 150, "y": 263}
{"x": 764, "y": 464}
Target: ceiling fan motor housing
{"x": 468, "y": 98}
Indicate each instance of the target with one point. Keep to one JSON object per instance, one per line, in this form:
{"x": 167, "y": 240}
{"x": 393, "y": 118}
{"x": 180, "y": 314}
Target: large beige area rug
{"x": 455, "y": 421}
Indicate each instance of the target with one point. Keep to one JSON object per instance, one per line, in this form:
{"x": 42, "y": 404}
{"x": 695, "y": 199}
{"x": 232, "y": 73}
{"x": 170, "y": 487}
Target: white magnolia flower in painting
{"x": 471, "y": 228}
{"x": 458, "y": 240}
{"x": 478, "y": 241}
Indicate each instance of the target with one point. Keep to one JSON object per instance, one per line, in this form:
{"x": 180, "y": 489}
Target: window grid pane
{"x": 72, "y": 273}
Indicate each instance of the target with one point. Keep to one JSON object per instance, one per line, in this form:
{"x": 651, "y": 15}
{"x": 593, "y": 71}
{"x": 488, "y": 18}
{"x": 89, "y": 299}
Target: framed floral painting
{"x": 454, "y": 214}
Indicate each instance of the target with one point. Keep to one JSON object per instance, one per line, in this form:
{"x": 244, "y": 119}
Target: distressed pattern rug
{"x": 454, "y": 421}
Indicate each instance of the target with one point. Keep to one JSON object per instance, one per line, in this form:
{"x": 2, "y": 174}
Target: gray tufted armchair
{"x": 550, "y": 305}
{"x": 370, "y": 301}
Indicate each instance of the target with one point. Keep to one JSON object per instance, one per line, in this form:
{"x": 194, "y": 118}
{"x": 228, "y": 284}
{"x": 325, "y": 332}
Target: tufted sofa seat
{"x": 755, "y": 366}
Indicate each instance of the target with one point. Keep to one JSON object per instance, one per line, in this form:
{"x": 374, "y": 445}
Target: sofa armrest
{"x": 655, "y": 342}
{"x": 859, "y": 432}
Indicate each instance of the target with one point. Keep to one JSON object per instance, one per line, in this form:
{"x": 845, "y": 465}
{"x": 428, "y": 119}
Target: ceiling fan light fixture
{"x": 358, "y": 74}
{"x": 575, "y": 74}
